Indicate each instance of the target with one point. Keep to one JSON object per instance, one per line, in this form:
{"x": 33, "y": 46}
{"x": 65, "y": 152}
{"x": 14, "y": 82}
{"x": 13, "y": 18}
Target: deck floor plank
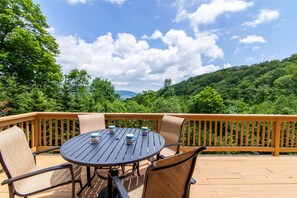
{"x": 221, "y": 176}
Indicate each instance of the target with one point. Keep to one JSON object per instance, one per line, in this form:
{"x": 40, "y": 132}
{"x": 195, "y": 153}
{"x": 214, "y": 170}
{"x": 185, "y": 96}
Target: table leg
{"x": 110, "y": 183}
{"x": 89, "y": 176}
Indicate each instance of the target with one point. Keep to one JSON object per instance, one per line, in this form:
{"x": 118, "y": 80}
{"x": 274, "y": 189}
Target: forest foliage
{"x": 31, "y": 80}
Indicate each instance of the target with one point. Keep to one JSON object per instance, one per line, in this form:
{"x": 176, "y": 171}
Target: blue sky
{"x": 137, "y": 44}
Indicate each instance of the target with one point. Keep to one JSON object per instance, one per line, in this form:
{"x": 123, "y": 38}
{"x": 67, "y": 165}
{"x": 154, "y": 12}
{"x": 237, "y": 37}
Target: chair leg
{"x": 137, "y": 167}
{"x": 73, "y": 189}
{"x": 123, "y": 169}
{"x": 11, "y": 191}
{"x": 193, "y": 181}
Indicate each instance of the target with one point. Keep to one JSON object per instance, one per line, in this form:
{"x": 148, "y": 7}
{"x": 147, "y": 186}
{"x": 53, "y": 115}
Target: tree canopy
{"x": 27, "y": 50}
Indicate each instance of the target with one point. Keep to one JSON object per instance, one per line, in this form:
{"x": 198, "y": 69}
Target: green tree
{"x": 78, "y": 82}
{"x": 17, "y": 96}
{"x": 102, "y": 93}
{"x": 167, "y": 90}
{"x": 27, "y": 50}
{"x": 168, "y": 105}
{"x": 207, "y": 101}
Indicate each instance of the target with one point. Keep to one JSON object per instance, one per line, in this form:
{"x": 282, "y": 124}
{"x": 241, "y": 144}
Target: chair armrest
{"x": 47, "y": 150}
{"x": 159, "y": 156}
{"x": 174, "y": 144}
{"x": 24, "y": 176}
{"x": 118, "y": 184}
{"x": 43, "y": 151}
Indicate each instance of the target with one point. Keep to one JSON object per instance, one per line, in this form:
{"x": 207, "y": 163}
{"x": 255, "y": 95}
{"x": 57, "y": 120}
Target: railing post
{"x": 276, "y": 137}
{"x": 159, "y": 124}
{"x": 36, "y": 133}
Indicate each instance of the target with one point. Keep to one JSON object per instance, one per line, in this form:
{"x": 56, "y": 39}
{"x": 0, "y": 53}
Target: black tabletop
{"x": 112, "y": 150}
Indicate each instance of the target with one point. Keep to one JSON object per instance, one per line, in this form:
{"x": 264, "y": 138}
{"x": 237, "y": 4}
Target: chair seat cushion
{"x": 46, "y": 180}
{"x": 167, "y": 152}
{"x": 134, "y": 186}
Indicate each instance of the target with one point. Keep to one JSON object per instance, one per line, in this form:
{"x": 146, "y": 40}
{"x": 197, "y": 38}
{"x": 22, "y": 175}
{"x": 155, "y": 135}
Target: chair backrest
{"x": 171, "y": 128}
{"x": 171, "y": 177}
{"x": 15, "y": 154}
{"x": 91, "y": 122}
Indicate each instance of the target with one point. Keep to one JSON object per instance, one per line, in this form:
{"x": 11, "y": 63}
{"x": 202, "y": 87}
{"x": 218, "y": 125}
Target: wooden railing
{"x": 220, "y": 133}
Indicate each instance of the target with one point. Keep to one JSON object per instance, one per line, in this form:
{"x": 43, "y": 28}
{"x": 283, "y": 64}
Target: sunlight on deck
{"x": 217, "y": 176}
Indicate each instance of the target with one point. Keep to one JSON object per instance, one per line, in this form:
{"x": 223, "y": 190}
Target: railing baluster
{"x": 282, "y": 136}
{"x": 287, "y": 134}
{"x": 68, "y": 129}
{"x": 268, "y": 134}
{"x": 226, "y": 132}
{"x": 253, "y": 131}
{"x": 247, "y": 133}
{"x": 194, "y": 132}
{"x": 204, "y": 132}
{"x": 241, "y": 133}
{"x": 62, "y": 131}
{"x": 221, "y": 132}
{"x": 216, "y": 133}
{"x": 293, "y": 134}
{"x": 258, "y": 133}
{"x": 73, "y": 128}
{"x": 27, "y": 131}
{"x": 189, "y": 133}
{"x": 44, "y": 132}
{"x": 263, "y": 133}
{"x": 56, "y": 132}
{"x": 51, "y": 132}
{"x": 210, "y": 132}
{"x": 199, "y": 133}
{"x": 231, "y": 134}
{"x": 236, "y": 134}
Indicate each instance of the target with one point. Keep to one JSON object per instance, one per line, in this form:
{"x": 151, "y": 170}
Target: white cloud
{"x": 77, "y": 1}
{"x": 264, "y": 16}
{"x": 252, "y": 39}
{"x": 207, "y": 13}
{"x": 227, "y": 65}
{"x": 234, "y": 37}
{"x": 249, "y": 59}
{"x": 132, "y": 64}
{"x": 156, "y": 35}
{"x": 118, "y": 2}
{"x": 256, "y": 48}
{"x": 51, "y": 30}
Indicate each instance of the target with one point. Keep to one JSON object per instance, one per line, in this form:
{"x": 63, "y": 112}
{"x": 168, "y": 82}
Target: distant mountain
{"x": 126, "y": 94}
{"x": 255, "y": 84}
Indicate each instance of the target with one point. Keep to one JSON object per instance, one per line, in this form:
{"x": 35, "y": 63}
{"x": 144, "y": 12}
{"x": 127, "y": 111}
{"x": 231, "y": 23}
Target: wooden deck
{"x": 217, "y": 175}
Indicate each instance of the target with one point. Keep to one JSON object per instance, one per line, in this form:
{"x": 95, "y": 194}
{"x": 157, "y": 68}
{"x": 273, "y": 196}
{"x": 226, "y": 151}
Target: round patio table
{"x": 112, "y": 150}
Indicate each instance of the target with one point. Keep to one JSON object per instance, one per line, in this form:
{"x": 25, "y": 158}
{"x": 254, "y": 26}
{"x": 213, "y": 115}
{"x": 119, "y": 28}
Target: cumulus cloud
{"x": 252, "y": 39}
{"x": 264, "y": 16}
{"x": 156, "y": 35}
{"x": 77, "y": 1}
{"x": 207, "y": 13}
{"x": 234, "y": 37}
{"x": 130, "y": 63}
{"x": 118, "y": 2}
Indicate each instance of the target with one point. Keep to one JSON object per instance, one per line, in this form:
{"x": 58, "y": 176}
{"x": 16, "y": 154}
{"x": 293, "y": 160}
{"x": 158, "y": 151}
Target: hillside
{"x": 253, "y": 84}
{"x": 125, "y": 94}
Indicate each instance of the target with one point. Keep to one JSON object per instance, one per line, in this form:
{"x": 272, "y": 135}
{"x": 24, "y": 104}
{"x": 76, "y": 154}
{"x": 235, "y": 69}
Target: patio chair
{"x": 171, "y": 129}
{"x": 170, "y": 177}
{"x": 24, "y": 176}
{"x": 88, "y": 123}
{"x": 91, "y": 122}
